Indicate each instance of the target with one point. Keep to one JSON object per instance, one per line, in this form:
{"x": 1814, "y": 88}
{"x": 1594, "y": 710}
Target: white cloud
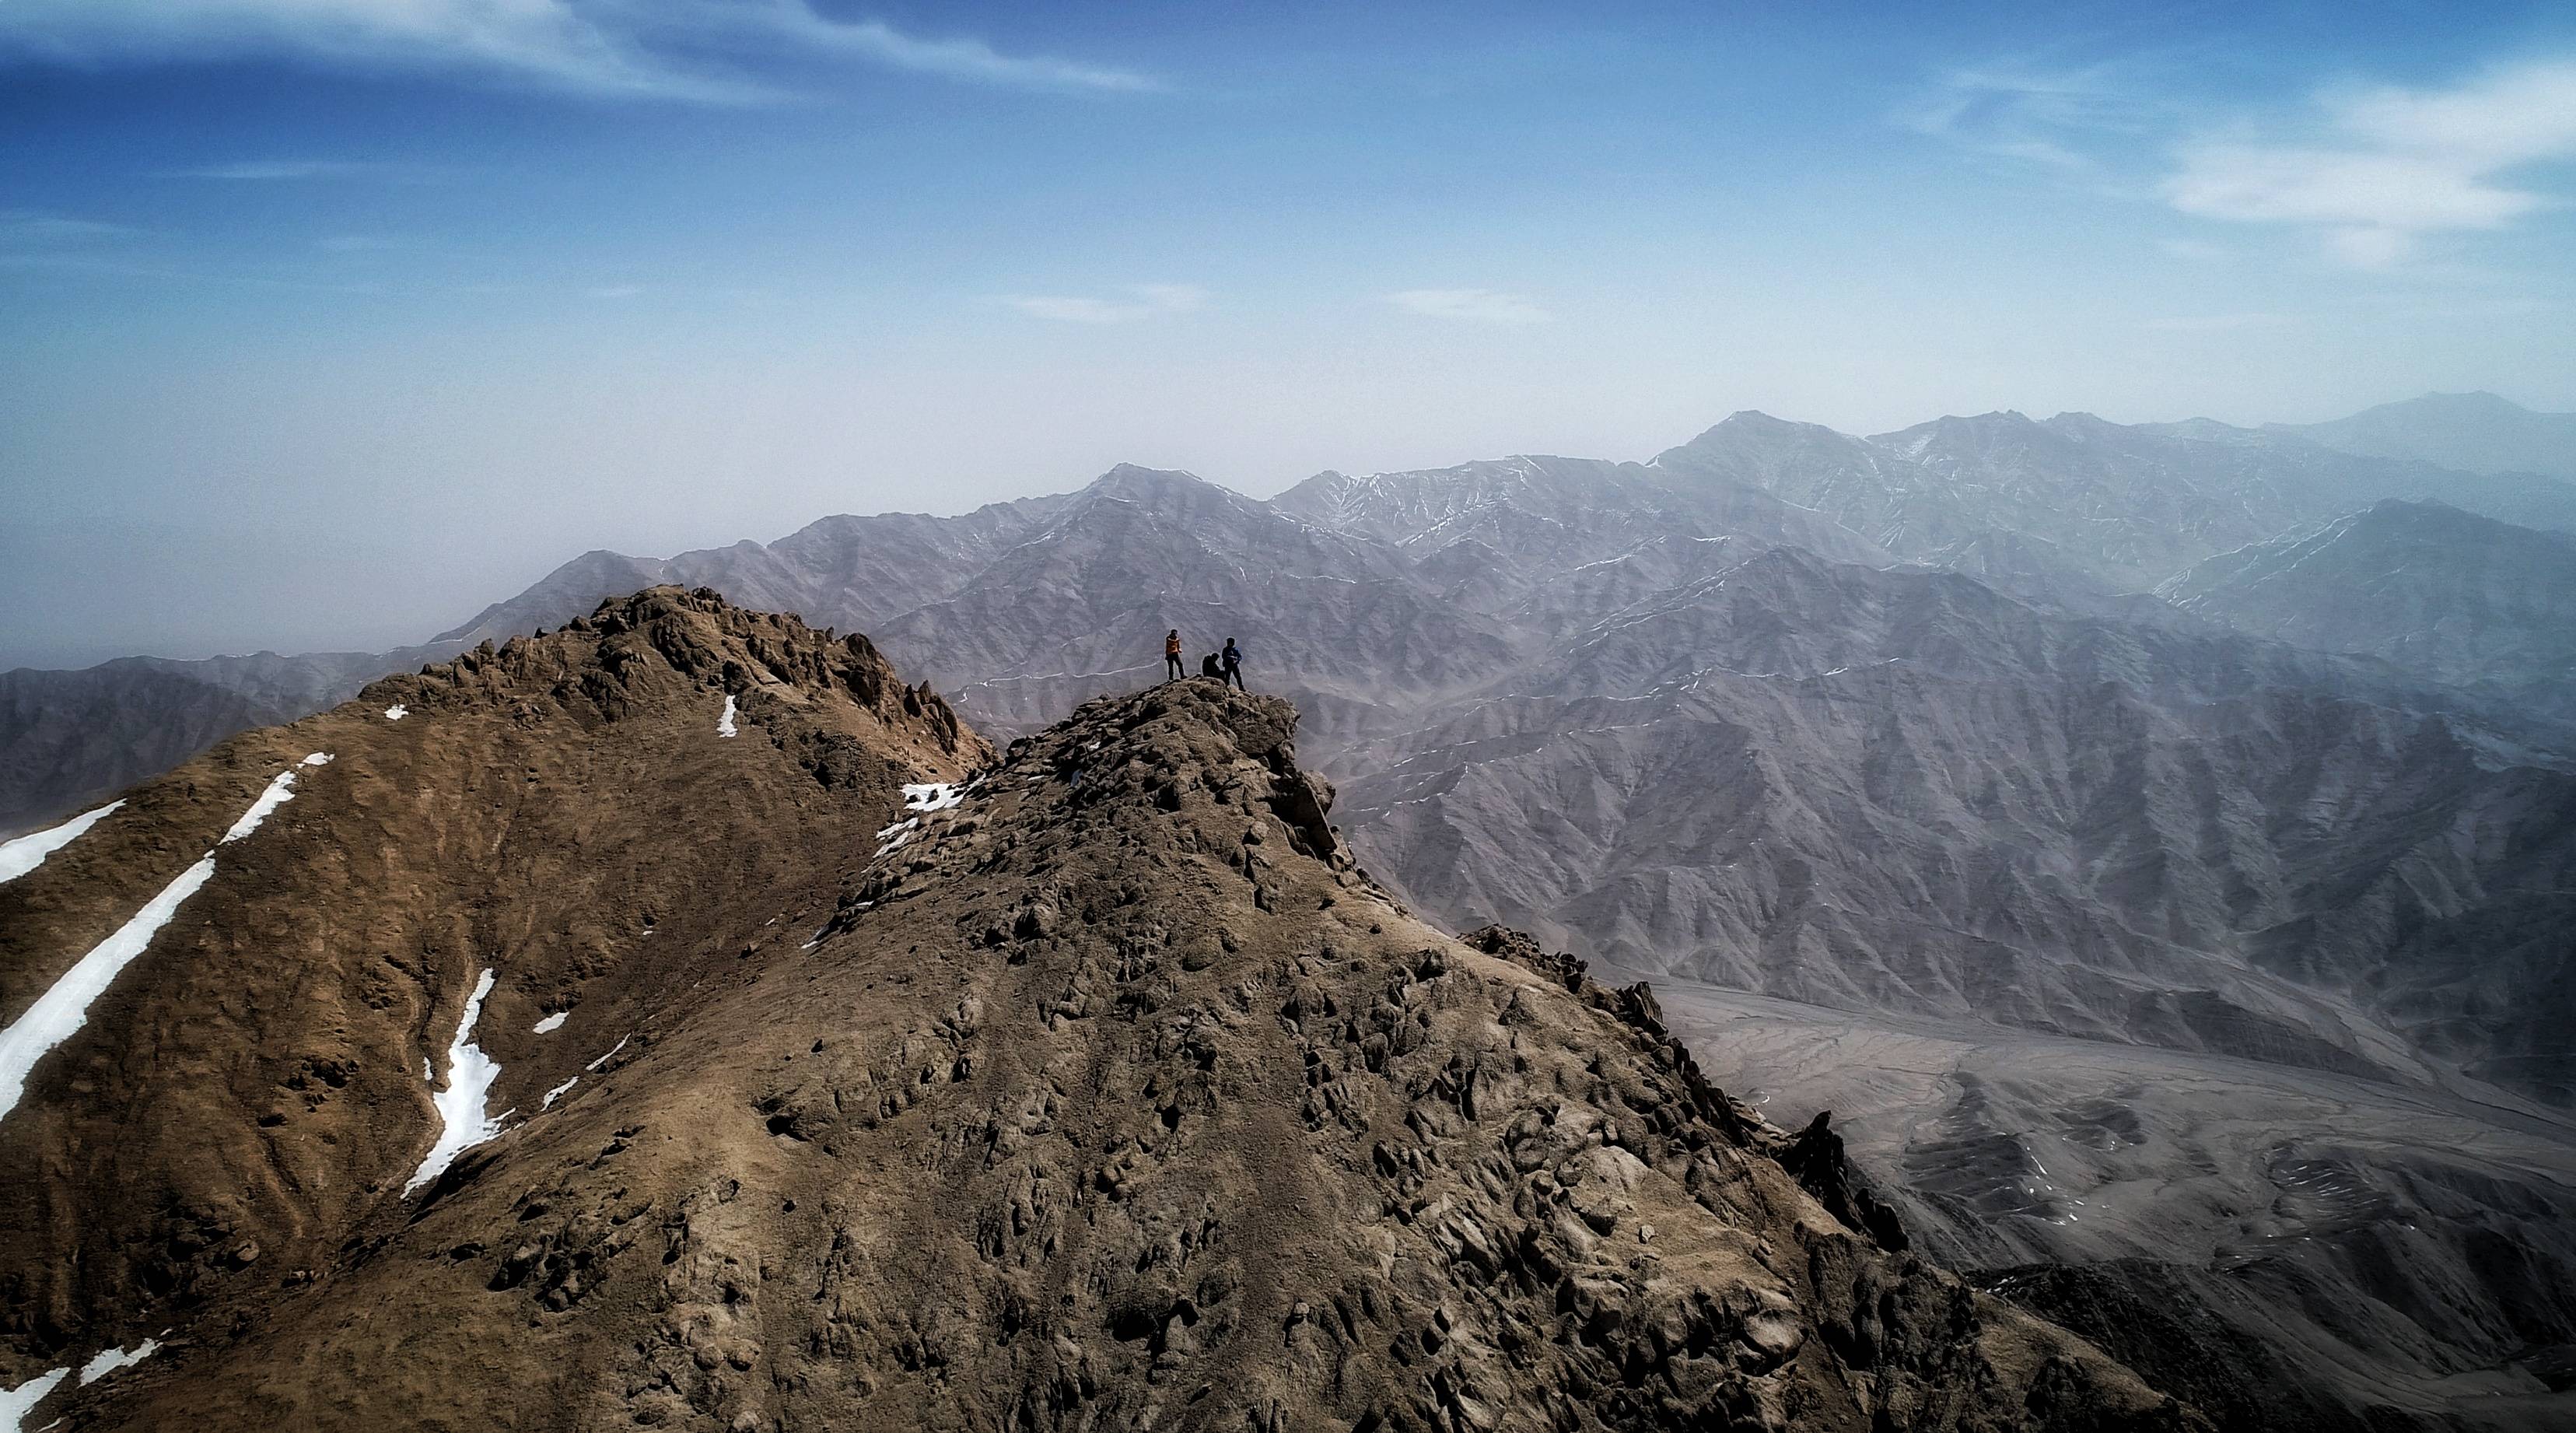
{"x": 657, "y": 48}
{"x": 262, "y": 170}
{"x": 1179, "y": 298}
{"x": 2215, "y": 322}
{"x": 2033, "y": 114}
{"x": 963, "y": 59}
{"x": 1477, "y": 305}
{"x": 1148, "y": 300}
{"x": 21, "y": 228}
{"x": 2373, "y": 171}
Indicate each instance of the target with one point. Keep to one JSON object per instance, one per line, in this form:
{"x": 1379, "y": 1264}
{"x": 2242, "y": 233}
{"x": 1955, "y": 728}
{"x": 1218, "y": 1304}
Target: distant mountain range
{"x": 2216, "y": 744}
{"x": 2451, "y": 596}
{"x": 1871, "y": 654}
{"x": 2470, "y": 432}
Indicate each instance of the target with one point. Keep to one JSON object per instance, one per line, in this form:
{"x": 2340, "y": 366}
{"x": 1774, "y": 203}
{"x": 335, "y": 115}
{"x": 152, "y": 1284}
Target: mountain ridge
{"x": 1100, "y": 1089}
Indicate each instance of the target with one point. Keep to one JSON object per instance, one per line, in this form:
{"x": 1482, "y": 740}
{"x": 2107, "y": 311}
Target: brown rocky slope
{"x": 1110, "y": 1096}
{"x": 560, "y": 811}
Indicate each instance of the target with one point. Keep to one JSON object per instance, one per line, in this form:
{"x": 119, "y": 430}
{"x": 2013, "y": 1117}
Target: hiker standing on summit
{"x": 1234, "y": 665}
{"x": 1173, "y": 671}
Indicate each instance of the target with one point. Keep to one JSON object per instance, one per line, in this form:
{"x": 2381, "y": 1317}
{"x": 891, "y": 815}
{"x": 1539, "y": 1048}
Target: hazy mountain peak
{"x": 1135, "y": 478}
{"x": 2477, "y": 432}
{"x": 2476, "y": 402}
{"x": 1755, "y": 421}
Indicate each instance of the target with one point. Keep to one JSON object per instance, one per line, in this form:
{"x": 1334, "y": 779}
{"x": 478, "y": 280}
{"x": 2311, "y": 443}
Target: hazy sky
{"x": 324, "y": 322}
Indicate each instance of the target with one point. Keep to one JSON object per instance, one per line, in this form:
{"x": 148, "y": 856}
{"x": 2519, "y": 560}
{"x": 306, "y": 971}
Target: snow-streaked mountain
{"x": 2456, "y": 597}
{"x": 552, "y": 1061}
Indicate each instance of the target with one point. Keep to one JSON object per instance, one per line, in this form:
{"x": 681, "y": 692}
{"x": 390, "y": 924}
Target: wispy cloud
{"x": 2197, "y": 251}
{"x": 2372, "y": 171}
{"x": 959, "y": 59}
{"x": 2034, "y": 112}
{"x": 271, "y": 170}
{"x": 358, "y": 244}
{"x": 1475, "y": 305}
{"x": 1147, "y": 301}
{"x": 31, "y": 229}
{"x": 2215, "y": 322}
{"x": 690, "y": 50}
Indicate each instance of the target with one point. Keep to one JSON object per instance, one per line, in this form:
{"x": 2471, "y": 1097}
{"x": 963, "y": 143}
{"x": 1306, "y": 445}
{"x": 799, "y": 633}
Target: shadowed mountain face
{"x": 2449, "y": 595}
{"x": 2472, "y": 432}
{"x": 69, "y": 739}
{"x": 807, "y": 1080}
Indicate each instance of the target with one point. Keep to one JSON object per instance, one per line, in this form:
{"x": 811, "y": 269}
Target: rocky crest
{"x": 562, "y": 811}
{"x": 1098, "y": 1091}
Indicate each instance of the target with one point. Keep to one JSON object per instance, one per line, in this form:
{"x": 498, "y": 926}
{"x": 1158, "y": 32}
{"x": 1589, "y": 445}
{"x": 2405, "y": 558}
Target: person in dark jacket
{"x": 1173, "y": 671}
{"x": 1209, "y": 668}
{"x": 1234, "y": 664}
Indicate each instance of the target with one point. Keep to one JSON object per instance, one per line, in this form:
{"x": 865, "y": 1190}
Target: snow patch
{"x": 552, "y": 1023}
{"x": 280, "y": 790}
{"x": 724, "y": 724}
{"x": 896, "y": 834}
{"x": 319, "y": 758}
{"x": 26, "y": 853}
{"x": 16, "y": 1403}
{"x": 931, "y": 796}
{"x": 58, "y": 1014}
{"x": 611, "y": 1055}
{"x": 109, "y": 1360}
{"x": 470, "y": 1076}
{"x": 556, "y": 1093}
{"x": 397, "y": 712}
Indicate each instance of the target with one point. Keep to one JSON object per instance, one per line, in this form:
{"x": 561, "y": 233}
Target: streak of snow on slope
{"x": 552, "y": 1023}
{"x": 280, "y": 791}
{"x": 58, "y": 1014}
{"x": 15, "y": 1403}
{"x": 612, "y": 1053}
{"x": 109, "y": 1360}
{"x": 470, "y": 1076}
{"x": 724, "y": 724}
{"x": 557, "y": 1092}
{"x": 26, "y": 853}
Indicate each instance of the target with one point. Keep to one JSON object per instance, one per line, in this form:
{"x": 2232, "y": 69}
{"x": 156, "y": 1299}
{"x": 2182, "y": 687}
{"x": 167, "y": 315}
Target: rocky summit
{"x": 678, "y": 1021}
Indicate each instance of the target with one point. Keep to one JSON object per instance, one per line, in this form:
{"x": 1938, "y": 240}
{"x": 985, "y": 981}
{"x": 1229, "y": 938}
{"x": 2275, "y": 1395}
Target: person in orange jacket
{"x": 1173, "y": 670}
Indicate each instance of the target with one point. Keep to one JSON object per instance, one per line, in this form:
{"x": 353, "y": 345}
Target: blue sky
{"x": 323, "y": 323}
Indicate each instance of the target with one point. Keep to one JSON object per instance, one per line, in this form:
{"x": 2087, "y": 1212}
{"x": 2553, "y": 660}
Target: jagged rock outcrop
{"x": 1098, "y": 1091}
